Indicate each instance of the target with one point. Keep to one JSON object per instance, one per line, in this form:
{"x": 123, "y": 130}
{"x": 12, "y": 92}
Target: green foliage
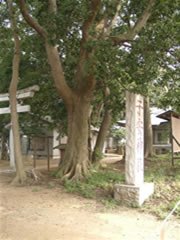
{"x": 35, "y": 189}
{"x": 98, "y": 155}
{"x": 134, "y": 205}
{"x": 135, "y": 65}
{"x": 145, "y": 65}
{"x": 109, "y": 202}
{"x": 51, "y": 185}
{"x": 167, "y": 188}
{"x": 165, "y": 177}
{"x": 97, "y": 180}
{"x": 105, "y": 178}
{"x": 118, "y": 133}
{"x": 80, "y": 187}
{"x": 161, "y": 169}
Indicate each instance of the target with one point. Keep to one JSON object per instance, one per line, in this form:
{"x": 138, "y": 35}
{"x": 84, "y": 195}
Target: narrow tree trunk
{"x": 89, "y": 137}
{"x": 147, "y": 129}
{"x": 75, "y": 162}
{"x": 4, "y": 149}
{"x": 98, "y": 149}
{"x": 95, "y": 116}
{"x": 20, "y": 173}
{"x": 102, "y": 136}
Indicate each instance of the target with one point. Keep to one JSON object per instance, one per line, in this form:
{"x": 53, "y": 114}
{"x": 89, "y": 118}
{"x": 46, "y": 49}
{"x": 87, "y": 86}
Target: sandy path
{"x": 43, "y": 213}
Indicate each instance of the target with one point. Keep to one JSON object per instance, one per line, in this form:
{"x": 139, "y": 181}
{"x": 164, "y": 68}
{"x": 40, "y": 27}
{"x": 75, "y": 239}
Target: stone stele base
{"x": 132, "y": 194}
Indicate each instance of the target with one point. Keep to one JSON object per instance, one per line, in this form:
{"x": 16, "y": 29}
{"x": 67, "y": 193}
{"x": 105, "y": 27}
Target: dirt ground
{"x": 49, "y": 213}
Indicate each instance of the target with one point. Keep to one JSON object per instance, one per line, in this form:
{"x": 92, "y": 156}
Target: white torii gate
{"x": 21, "y": 94}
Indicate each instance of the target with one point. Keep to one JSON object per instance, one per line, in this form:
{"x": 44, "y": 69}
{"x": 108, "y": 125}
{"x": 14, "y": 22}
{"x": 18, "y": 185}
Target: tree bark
{"x": 103, "y": 129}
{"x": 147, "y": 129}
{"x": 102, "y": 136}
{"x": 75, "y": 162}
{"x": 20, "y": 172}
{"x": 3, "y": 148}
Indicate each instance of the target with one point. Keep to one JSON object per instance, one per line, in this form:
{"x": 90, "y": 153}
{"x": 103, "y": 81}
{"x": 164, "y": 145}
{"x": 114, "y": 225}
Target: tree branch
{"x": 55, "y": 62}
{"x": 90, "y": 20}
{"x": 31, "y": 21}
{"x": 103, "y": 26}
{"x": 130, "y": 35}
{"x": 81, "y": 73}
{"x": 114, "y": 18}
{"x": 57, "y": 71}
{"x": 52, "y": 6}
{"x": 52, "y": 52}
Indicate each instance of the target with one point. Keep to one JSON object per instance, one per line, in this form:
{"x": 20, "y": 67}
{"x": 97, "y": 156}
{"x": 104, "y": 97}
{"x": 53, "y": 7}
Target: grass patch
{"x": 158, "y": 169}
{"x": 35, "y": 190}
{"x": 99, "y": 183}
{"x": 109, "y": 202}
{"x": 167, "y": 185}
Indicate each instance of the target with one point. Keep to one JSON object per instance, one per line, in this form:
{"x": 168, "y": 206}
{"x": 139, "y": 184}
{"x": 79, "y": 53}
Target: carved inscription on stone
{"x": 134, "y": 139}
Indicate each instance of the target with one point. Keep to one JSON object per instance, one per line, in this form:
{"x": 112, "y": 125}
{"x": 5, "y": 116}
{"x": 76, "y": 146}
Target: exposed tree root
{"x": 74, "y": 171}
{"x": 32, "y": 176}
{"x": 17, "y": 181}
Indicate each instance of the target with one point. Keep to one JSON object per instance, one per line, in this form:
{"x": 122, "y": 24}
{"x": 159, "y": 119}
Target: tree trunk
{"x": 147, "y": 129}
{"x": 89, "y": 136}
{"x": 4, "y": 149}
{"x": 75, "y": 162}
{"x": 20, "y": 173}
{"x": 102, "y": 136}
{"x": 98, "y": 149}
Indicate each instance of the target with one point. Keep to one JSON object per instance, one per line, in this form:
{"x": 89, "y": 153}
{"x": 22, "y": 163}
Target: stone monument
{"x": 134, "y": 190}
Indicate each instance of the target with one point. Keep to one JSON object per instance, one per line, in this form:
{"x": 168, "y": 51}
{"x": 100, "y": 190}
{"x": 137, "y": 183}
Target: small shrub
{"x": 109, "y": 202}
{"x": 134, "y": 205}
{"x": 51, "y": 185}
{"x": 167, "y": 188}
{"x": 35, "y": 190}
{"x": 98, "y": 155}
{"x": 97, "y": 180}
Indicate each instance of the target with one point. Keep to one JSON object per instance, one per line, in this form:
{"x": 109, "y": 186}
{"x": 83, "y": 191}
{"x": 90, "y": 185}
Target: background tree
{"x": 20, "y": 172}
{"x": 103, "y": 129}
{"x": 148, "y": 141}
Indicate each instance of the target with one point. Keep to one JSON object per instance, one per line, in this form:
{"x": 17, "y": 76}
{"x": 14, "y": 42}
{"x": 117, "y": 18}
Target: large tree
{"x": 98, "y": 22}
{"x": 78, "y": 36}
{"x": 20, "y": 172}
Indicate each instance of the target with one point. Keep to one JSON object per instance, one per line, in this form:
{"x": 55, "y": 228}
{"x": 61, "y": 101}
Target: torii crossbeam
{"x": 21, "y": 94}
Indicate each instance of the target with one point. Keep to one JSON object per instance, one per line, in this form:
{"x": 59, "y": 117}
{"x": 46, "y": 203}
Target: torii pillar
{"x": 21, "y": 94}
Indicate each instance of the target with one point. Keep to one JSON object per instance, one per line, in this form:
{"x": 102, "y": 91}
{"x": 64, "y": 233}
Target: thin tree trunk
{"x": 148, "y": 151}
{"x": 90, "y": 135}
{"x": 20, "y": 173}
{"x": 102, "y": 136}
{"x": 95, "y": 116}
{"x": 4, "y": 149}
{"x": 98, "y": 149}
{"x": 75, "y": 162}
